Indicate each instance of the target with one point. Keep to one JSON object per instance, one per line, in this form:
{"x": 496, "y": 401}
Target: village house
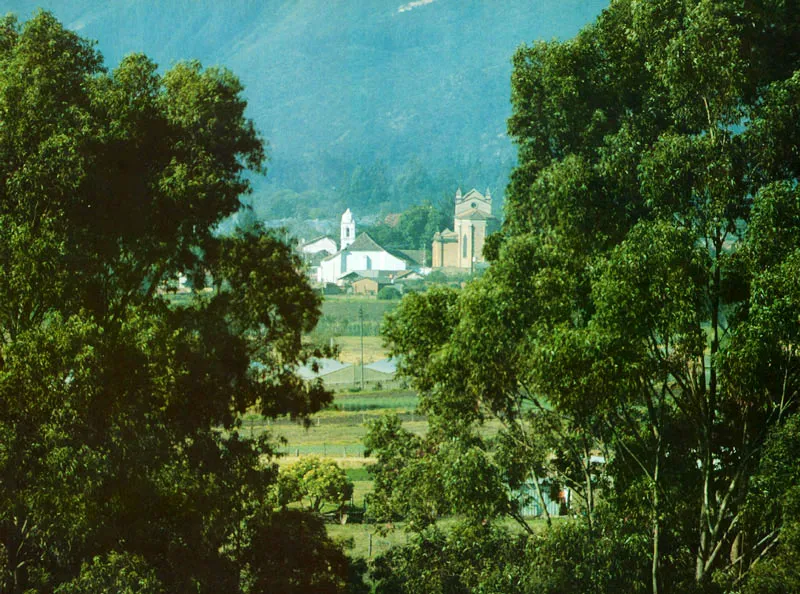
{"x": 370, "y": 286}
{"x": 322, "y": 244}
{"x": 314, "y": 250}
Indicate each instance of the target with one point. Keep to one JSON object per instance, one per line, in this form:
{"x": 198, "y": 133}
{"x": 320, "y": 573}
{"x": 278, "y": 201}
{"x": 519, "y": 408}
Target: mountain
{"x": 385, "y": 91}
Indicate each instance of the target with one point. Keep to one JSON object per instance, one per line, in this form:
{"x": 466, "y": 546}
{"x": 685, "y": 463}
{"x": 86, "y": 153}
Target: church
{"x": 462, "y": 247}
{"x": 363, "y": 255}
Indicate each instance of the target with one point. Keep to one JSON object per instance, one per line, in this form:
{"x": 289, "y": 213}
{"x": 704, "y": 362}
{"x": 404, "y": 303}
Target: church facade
{"x": 462, "y": 247}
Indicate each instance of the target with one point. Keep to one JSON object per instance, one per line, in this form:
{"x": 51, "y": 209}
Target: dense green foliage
{"x": 122, "y": 468}
{"x": 314, "y": 482}
{"x": 388, "y": 293}
{"x": 636, "y": 333}
{"x": 485, "y": 558}
{"x": 415, "y": 226}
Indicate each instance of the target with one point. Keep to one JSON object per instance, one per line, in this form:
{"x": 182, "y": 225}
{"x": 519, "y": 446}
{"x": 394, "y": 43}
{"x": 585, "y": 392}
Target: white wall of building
{"x": 323, "y": 244}
{"x": 345, "y": 261}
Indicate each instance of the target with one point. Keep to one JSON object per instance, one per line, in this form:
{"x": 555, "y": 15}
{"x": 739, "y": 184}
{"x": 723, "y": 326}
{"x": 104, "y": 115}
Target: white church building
{"x": 360, "y": 254}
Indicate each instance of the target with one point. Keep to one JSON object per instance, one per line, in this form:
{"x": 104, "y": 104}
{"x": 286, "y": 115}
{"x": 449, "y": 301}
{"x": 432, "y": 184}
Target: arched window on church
{"x": 464, "y": 247}
{"x": 347, "y": 232}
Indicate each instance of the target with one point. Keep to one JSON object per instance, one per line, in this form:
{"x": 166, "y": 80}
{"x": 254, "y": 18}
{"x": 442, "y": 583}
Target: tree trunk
{"x": 656, "y": 558}
{"x": 705, "y": 545}
{"x": 540, "y": 495}
{"x": 589, "y": 488}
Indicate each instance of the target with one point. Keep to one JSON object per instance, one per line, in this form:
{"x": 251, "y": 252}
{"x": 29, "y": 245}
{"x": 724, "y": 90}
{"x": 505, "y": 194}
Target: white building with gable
{"x": 360, "y": 254}
{"x": 323, "y": 243}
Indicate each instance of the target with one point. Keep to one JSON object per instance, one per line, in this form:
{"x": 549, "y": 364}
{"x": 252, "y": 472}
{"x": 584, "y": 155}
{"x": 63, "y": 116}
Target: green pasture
{"x": 333, "y": 437}
{"x": 340, "y": 316}
{"x": 338, "y": 431}
{"x": 347, "y": 306}
{"x": 356, "y": 537}
{"x": 394, "y": 401}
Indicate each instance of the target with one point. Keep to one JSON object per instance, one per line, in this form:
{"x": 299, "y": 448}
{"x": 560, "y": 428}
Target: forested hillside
{"x": 374, "y": 104}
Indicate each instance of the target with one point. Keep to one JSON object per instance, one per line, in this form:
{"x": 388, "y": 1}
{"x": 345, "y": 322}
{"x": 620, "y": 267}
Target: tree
{"x": 773, "y": 505}
{"x": 469, "y": 557}
{"x": 119, "y": 412}
{"x": 641, "y": 306}
{"x": 418, "y": 224}
{"x": 123, "y": 574}
{"x": 317, "y": 481}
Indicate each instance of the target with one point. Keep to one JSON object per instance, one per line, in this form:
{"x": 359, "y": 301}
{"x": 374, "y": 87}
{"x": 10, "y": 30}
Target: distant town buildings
{"x": 463, "y": 246}
{"x": 360, "y": 264}
{"x": 363, "y": 255}
{"x": 314, "y": 250}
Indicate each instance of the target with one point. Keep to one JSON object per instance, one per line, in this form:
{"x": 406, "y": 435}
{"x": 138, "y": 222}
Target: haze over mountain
{"x": 379, "y": 102}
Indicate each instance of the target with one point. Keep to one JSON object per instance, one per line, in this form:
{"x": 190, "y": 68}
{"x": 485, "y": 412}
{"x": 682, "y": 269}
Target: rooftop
{"x": 323, "y": 367}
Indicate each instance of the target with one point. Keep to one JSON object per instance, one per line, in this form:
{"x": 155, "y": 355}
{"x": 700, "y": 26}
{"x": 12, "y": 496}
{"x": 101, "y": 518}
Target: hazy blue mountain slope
{"x": 337, "y": 83}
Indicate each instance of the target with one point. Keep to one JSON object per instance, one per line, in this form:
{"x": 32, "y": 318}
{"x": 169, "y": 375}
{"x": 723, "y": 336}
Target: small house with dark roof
{"x": 369, "y": 286}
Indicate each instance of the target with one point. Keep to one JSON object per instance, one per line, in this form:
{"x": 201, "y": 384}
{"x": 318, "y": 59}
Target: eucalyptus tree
{"x": 641, "y": 307}
{"x": 121, "y": 463}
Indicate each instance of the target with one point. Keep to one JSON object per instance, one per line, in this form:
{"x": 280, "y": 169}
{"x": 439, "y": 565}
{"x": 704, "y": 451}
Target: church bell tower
{"x": 348, "y": 233}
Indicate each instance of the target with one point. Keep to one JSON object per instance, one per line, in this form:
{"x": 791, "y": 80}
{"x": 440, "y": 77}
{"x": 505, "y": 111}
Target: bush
{"x": 388, "y": 293}
{"x": 436, "y": 276}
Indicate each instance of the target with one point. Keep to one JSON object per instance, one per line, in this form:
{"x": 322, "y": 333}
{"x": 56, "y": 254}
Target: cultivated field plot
{"x": 340, "y": 316}
{"x": 338, "y": 431}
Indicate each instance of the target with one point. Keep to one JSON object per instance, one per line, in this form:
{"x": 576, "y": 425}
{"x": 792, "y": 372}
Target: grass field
{"x": 356, "y": 539}
{"x": 340, "y": 316}
{"x": 337, "y": 431}
{"x": 348, "y": 305}
{"x": 397, "y": 401}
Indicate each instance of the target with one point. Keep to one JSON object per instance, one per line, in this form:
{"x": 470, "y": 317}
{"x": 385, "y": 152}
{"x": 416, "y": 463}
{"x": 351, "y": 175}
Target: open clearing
{"x": 350, "y": 349}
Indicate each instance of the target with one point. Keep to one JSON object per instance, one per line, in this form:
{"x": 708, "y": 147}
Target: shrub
{"x": 388, "y": 293}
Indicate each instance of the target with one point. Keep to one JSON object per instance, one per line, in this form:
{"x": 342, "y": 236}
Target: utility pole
{"x": 361, "y": 327}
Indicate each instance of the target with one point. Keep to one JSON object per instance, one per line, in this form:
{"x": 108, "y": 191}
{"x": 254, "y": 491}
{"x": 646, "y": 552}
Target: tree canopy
{"x": 121, "y": 464}
{"x": 635, "y": 337}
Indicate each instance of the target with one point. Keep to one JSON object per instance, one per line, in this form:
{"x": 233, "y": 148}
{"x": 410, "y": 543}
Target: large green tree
{"x": 121, "y": 463}
{"x": 642, "y": 305}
